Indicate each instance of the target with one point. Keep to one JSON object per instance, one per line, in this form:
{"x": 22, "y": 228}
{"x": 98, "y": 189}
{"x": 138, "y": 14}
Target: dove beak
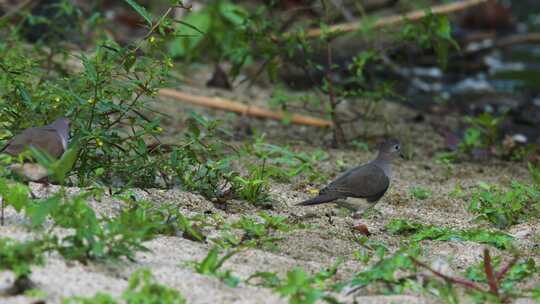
{"x": 402, "y": 155}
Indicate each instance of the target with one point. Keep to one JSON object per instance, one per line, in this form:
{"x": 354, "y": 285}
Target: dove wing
{"x": 45, "y": 139}
{"x": 367, "y": 181}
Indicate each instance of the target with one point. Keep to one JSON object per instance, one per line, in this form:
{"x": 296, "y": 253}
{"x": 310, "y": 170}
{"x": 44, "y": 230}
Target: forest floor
{"x": 327, "y": 232}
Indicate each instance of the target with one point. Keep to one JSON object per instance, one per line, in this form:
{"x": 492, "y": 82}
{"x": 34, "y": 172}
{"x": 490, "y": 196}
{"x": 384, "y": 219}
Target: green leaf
{"x": 129, "y": 61}
{"x": 39, "y": 211}
{"x": 62, "y": 167}
{"x": 190, "y": 36}
{"x": 233, "y": 13}
{"x": 89, "y": 68}
{"x": 141, "y": 11}
{"x": 14, "y": 194}
{"x": 208, "y": 265}
{"x": 24, "y": 94}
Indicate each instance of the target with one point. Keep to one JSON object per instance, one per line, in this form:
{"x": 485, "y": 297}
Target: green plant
{"x": 142, "y": 289}
{"x": 471, "y": 140}
{"x": 483, "y": 132}
{"x": 505, "y": 207}
{"x": 99, "y": 298}
{"x": 483, "y": 283}
{"x": 514, "y": 273}
{"x": 18, "y": 257}
{"x": 104, "y": 97}
{"x": 95, "y": 238}
{"x": 13, "y": 194}
{"x": 534, "y": 172}
{"x": 211, "y": 264}
{"x": 253, "y": 188}
{"x": 160, "y": 219}
{"x": 298, "y": 286}
{"x": 420, "y": 193}
{"x": 433, "y": 31}
{"x": 283, "y": 164}
{"x": 258, "y": 233}
{"x": 418, "y": 232}
{"x": 90, "y": 237}
{"x": 214, "y": 31}
{"x": 370, "y": 248}
{"x": 385, "y": 271}
{"x": 201, "y": 163}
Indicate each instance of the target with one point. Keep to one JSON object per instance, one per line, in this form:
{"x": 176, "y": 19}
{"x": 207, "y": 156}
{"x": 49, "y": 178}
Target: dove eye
{"x": 396, "y": 147}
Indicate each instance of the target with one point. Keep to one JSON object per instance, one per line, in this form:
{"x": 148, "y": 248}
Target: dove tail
{"x": 321, "y": 199}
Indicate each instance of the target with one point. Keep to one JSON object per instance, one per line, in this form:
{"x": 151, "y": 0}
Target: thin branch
{"x": 500, "y": 275}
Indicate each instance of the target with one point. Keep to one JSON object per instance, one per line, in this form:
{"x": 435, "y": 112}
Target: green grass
{"x": 416, "y": 232}
{"x": 420, "y": 193}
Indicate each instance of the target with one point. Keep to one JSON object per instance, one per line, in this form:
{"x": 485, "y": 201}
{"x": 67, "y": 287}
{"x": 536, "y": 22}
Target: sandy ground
{"x": 330, "y": 235}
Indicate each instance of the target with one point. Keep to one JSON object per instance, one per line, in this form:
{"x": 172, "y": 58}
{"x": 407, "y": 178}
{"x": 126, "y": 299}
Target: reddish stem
{"x": 490, "y": 274}
{"x": 464, "y": 282}
{"x": 500, "y": 275}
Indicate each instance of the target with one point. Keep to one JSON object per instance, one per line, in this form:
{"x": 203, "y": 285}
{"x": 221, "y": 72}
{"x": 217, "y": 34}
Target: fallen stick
{"x": 233, "y": 106}
{"x": 397, "y": 19}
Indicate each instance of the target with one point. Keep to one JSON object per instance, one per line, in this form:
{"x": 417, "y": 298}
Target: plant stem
{"x": 464, "y": 282}
{"x": 490, "y": 276}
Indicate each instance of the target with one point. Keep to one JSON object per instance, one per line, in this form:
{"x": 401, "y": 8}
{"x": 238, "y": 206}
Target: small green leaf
{"x": 208, "y": 265}
{"x": 141, "y": 11}
{"x": 62, "y": 167}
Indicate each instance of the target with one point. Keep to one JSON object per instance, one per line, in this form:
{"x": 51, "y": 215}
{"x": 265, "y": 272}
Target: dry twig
{"x": 233, "y": 106}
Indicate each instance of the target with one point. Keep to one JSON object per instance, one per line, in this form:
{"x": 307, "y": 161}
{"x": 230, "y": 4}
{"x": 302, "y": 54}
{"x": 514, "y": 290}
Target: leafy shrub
{"x": 104, "y": 95}
{"x": 202, "y": 163}
{"x": 505, "y": 207}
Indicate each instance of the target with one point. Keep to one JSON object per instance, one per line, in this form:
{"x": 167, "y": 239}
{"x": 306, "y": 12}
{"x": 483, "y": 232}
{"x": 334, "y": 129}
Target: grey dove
{"x": 52, "y": 139}
{"x": 369, "y": 181}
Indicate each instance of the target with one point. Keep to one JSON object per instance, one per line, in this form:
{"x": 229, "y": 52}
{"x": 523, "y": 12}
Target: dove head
{"x": 61, "y": 125}
{"x": 389, "y": 150}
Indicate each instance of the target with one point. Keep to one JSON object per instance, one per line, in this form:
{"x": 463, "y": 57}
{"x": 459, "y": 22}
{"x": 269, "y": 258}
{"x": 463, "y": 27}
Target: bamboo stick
{"x": 250, "y": 110}
{"x": 397, "y": 19}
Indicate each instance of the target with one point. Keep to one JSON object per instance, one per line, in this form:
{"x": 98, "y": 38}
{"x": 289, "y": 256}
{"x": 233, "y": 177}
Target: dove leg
{"x": 359, "y": 213}
{"x": 355, "y": 205}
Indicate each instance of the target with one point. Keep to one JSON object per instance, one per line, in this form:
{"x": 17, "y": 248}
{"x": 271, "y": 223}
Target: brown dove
{"x": 369, "y": 181}
{"x": 52, "y": 138}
